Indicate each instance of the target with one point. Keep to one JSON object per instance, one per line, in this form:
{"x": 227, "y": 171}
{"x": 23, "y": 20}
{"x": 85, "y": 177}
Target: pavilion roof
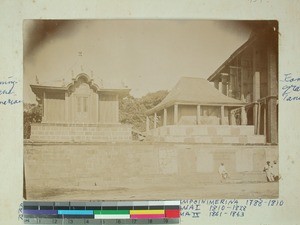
{"x": 194, "y": 91}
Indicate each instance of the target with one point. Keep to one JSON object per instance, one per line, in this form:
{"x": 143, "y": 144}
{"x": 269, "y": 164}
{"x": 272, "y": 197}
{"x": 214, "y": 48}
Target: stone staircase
{"x": 207, "y": 134}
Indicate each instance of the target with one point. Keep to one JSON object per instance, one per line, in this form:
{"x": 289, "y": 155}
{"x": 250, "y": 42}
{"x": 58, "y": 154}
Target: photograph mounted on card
{"x": 150, "y": 109}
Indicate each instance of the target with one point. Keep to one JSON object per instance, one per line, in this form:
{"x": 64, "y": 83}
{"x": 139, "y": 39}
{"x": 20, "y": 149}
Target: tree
{"x": 32, "y": 114}
{"x": 133, "y": 110}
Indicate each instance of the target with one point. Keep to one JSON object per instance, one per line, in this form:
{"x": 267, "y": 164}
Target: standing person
{"x": 268, "y": 171}
{"x": 223, "y": 172}
{"x": 275, "y": 171}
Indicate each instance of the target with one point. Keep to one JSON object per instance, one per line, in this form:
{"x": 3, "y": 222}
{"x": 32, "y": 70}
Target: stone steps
{"x": 210, "y": 139}
{"x": 200, "y": 130}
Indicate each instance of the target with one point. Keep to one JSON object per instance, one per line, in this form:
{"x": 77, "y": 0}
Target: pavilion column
{"x": 155, "y": 120}
{"x": 231, "y": 85}
{"x": 147, "y": 123}
{"x": 165, "y": 116}
{"x": 242, "y": 85}
{"x": 216, "y": 84}
{"x": 198, "y": 114}
{"x": 272, "y": 121}
{"x": 243, "y": 116}
{"x": 224, "y": 83}
{"x": 265, "y": 120}
{"x": 256, "y": 96}
{"x": 258, "y": 118}
{"x": 175, "y": 114}
{"x": 232, "y": 117}
{"x": 44, "y": 107}
{"x": 256, "y": 85}
{"x": 222, "y": 115}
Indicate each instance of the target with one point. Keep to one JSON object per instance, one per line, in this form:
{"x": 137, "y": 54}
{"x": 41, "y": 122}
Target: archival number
{"x": 258, "y": 1}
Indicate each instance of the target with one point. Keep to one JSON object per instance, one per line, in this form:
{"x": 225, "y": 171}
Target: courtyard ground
{"x": 145, "y": 171}
{"x": 202, "y": 191}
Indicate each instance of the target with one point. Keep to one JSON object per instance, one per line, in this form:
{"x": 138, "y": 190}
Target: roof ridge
{"x": 193, "y": 77}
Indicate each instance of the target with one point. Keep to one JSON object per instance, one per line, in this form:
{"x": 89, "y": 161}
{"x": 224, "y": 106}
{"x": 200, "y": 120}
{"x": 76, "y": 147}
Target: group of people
{"x": 272, "y": 171}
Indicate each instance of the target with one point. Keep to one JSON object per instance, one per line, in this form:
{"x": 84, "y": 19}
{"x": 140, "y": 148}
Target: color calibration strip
{"x": 104, "y": 212}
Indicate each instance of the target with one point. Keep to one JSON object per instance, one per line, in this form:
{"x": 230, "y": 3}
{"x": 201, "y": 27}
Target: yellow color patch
{"x": 148, "y": 212}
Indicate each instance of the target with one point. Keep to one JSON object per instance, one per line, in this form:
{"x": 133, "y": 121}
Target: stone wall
{"x": 51, "y": 132}
{"x": 138, "y": 165}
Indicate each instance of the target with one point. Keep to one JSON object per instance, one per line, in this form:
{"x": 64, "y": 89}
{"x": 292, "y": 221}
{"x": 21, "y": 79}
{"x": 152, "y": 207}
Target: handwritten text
{"x": 291, "y": 87}
{"x": 224, "y": 207}
{"x": 7, "y": 92}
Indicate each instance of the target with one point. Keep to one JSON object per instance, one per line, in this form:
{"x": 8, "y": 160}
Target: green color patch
{"x": 108, "y": 212}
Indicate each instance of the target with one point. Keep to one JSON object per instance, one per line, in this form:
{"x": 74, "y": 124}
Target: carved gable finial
{"x": 37, "y": 79}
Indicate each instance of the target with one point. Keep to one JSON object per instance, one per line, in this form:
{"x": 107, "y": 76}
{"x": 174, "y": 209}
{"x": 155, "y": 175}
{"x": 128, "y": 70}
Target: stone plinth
{"x": 51, "y": 132}
{"x": 208, "y": 134}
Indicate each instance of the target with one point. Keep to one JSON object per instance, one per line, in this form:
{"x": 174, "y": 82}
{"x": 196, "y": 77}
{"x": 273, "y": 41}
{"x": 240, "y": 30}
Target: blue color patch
{"x": 75, "y": 212}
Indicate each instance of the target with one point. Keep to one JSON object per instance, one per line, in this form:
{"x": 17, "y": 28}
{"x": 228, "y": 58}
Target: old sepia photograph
{"x": 150, "y": 109}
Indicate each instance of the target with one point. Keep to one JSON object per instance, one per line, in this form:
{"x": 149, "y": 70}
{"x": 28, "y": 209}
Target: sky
{"x": 146, "y": 55}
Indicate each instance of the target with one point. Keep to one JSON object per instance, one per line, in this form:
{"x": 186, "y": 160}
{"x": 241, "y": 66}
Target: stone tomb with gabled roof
{"x": 79, "y": 111}
{"x": 194, "y": 111}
